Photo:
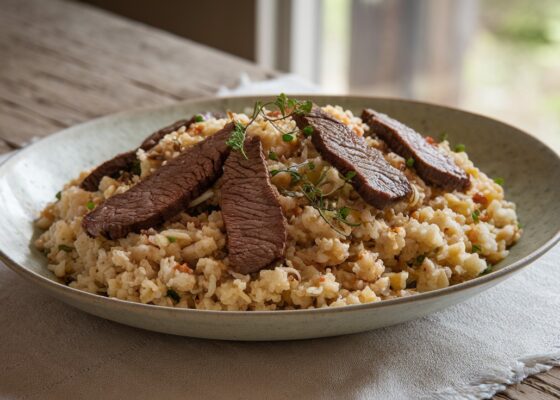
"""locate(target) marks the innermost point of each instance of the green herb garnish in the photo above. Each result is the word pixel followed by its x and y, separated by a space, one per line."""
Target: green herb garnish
pixel 475 214
pixel 499 181
pixel 272 155
pixel 237 139
pixel 519 226
pixel 410 162
pixel 174 295
pixel 460 148
pixel 476 248
pixel 287 137
pixel 172 239
pixel 286 106
pixel 349 176
pixel 443 137
pixel 314 194
pixel 420 259
pixel 341 214
pixel 307 131
pixel 58 195
pixel 198 118
pixel 90 205
pixel 65 248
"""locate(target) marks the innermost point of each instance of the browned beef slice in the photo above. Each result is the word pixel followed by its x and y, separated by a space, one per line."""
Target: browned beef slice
pixel 431 164
pixel 255 224
pixel 125 161
pixel 379 183
pixel 112 168
pixel 164 193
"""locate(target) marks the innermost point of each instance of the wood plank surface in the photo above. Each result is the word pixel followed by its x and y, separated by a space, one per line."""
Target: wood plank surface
pixel 62 63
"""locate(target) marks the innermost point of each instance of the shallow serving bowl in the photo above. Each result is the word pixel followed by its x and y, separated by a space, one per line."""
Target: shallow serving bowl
pixel 31 178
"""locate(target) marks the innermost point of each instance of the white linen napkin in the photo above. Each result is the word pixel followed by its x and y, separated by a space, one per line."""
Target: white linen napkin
pixel 49 350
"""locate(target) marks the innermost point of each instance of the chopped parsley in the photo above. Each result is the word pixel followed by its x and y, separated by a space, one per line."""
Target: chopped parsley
pixel 172 239
pixel 475 214
pixel 90 205
pixel 198 118
pixel 499 181
pixel 173 295
pixel 460 148
pixel 272 155
pixel 65 248
pixel 519 226
pixel 476 248
pixel 307 131
pixel 410 162
pixel 58 195
pixel 287 137
pixel 349 176
pixel 443 137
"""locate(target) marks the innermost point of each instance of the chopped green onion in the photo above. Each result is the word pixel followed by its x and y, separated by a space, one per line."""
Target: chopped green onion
pixel 287 137
pixel 499 181
pixel 311 165
pixel 90 205
pixel 272 155
pixel 198 118
pixel 174 295
pixel 475 215
pixel 476 248
pixel 65 248
pixel 274 172
pixel 460 148
pixel 58 195
pixel 172 239
pixel 308 131
pixel 410 162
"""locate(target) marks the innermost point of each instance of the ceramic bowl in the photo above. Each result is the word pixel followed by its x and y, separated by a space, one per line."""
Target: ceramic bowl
pixel 31 178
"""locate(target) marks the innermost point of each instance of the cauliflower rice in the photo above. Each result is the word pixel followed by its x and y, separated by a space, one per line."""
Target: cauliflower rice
pixel 431 241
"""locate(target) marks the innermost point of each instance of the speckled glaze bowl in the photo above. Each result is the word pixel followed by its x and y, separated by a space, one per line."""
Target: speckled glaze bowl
pixel 31 178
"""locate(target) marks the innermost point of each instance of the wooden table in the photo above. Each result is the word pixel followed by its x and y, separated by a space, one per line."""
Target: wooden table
pixel 63 63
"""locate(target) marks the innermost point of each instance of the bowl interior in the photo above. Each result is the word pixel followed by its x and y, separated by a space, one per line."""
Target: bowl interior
pixel 32 177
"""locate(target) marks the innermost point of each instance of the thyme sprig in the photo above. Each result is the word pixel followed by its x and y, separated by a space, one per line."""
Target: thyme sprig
pixel 280 109
pixel 302 186
pixel 287 107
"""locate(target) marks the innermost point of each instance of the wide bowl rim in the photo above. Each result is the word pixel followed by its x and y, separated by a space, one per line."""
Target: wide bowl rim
pixel 50 284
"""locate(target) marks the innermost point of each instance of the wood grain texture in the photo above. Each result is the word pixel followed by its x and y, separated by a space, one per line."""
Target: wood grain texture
pixel 545 386
pixel 63 63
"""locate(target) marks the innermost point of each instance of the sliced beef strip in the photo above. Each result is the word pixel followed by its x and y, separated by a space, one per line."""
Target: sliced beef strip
pixel 125 161
pixel 431 164
pixel 255 224
pixel 164 193
pixel 379 183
